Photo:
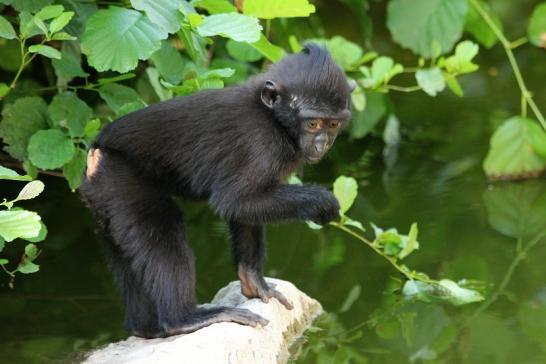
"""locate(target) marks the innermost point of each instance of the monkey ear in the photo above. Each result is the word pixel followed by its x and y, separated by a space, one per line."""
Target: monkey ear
pixel 352 85
pixel 269 93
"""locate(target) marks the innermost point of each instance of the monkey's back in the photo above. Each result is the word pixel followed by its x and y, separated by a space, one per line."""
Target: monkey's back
pixel 198 141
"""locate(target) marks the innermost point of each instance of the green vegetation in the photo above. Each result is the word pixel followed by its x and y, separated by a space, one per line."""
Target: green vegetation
pixel 69 67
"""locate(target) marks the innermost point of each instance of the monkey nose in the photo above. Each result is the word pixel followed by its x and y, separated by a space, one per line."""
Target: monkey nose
pixel 320 148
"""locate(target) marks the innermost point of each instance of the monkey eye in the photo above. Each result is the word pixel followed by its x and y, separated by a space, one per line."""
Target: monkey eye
pixel 313 124
pixel 333 124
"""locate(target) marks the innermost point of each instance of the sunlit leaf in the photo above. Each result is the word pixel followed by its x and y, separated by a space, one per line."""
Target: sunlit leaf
pixel 444 290
pixel 461 61
pixel 117 95
pixel 537 26
pixel 345 190
pixel 346 53
pixel 60 22
pixel 116 38
pixel 215 6
pixel 353 223
pixel 50 11
pixel 269 50
pixel 6 29
pixel 409 242
pixel 19 224
pixel 163 13
pixel 431 80
pixel 10 174
pixel 271 9
pixel 169 63
pixel 235 26
pixel 243 52
pixel 31 190
pixel 416 24
pixel 45 50
pixel 41 235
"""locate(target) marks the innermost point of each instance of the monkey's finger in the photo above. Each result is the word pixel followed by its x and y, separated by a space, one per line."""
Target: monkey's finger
pixel 280 297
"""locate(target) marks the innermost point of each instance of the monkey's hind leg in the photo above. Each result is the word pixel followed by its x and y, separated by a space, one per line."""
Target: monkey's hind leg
pixel 153 264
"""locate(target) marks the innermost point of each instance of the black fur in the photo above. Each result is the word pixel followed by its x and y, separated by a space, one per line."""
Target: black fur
pixel 234 147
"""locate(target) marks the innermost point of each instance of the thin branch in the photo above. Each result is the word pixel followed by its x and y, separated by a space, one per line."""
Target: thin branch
pixel 507 45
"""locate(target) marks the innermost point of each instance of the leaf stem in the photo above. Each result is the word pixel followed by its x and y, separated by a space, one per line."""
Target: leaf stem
pixel 404 89
pixel 508 46
pixel 378 251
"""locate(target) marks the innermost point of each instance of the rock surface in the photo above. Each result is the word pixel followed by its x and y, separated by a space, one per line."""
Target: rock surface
pixel 225 342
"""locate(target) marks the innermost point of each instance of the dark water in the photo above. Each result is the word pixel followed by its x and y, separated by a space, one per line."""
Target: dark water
pixel 468 229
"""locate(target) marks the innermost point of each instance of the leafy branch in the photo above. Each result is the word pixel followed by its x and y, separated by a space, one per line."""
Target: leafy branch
pixel 527 97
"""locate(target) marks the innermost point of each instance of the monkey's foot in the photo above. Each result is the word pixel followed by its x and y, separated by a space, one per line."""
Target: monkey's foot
pixel 253 285
pixel 203 317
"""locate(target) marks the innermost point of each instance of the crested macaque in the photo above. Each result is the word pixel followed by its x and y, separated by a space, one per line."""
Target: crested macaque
pixel 235 148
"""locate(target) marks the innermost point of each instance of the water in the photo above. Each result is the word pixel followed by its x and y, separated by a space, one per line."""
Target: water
pixel 469 228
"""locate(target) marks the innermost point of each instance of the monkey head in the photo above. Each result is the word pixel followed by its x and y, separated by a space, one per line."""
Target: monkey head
pixel 310 97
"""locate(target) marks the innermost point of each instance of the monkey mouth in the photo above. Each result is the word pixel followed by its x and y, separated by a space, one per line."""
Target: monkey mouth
pixel 312 159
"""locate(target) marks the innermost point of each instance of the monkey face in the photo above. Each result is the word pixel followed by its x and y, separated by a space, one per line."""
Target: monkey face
pixel 317 137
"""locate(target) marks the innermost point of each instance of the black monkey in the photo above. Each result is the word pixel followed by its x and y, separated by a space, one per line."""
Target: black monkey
pixel 234 147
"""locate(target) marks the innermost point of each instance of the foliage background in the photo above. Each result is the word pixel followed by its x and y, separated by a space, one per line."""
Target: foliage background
pixel 70 67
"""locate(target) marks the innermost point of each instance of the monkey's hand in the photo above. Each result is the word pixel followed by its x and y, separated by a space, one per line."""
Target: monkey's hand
pixel 326 208
pixel 253 285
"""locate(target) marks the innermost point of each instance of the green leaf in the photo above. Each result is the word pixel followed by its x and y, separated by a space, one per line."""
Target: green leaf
pixel 116 38
pixel 45 50
pixel 106 80
pixel 63 36
pixel 40 24
pixel 31 190
pixel 161 92
pixel 354 223
pixel 517 150
pixel 363 122
pixel 11 55
pixel 10 174
pixel 409 242
pixel 382 70
pixel 235 26
pixel 41 235
pixel 313 226
pixel 461 61
pixel 270 51
pixel 68 111
pixel 118 95
pixel 344 52
pixel 242 51
pixel 50 149
pixel 358 99
pixel 69 66
pixel 431 80
pixel 4 90
pixel 129 108
pixel 169 63
pixel 352 297
pixel 74 170
pixel 6 29
pixel 50 11
pixel 60 22
pixel 345 190
pixel 416 24
pixel 27 266
pixel 481 31
pixel 92 129
pixel 215 6
pixel 31 6
pixel 537 26
pixel 163 13
pixel 19 224
pixel 271 9
pixel 20 120
pixel 453 84
pixel 444 290
pixel 27 25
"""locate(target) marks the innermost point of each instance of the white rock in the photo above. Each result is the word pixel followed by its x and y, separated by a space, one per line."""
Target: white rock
pixel 225 342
